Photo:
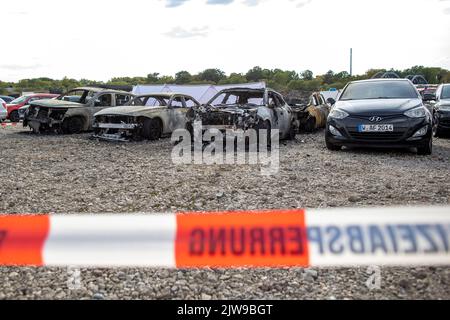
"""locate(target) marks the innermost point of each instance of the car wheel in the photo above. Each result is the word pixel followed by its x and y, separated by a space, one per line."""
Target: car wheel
pixel 292 132
pixel 427 149
pixel 14 116
pixel 265 125
pixel 331 146
pixel 72 125
pixel 152 129
pixel 437 133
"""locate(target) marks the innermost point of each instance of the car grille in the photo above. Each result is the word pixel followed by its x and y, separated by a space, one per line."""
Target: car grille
pixel 42 113
pixel 219 118
pixel 376 136
pixel 116 119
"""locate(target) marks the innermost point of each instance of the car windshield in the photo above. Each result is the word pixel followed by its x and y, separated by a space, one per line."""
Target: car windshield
pixel 150 101
pixel 379 90
pixel 80 96
pixel 241 98
pixel 445 92
pixel 20 100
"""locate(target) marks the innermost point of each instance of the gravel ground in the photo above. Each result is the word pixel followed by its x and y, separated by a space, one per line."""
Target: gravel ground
pixel 72 174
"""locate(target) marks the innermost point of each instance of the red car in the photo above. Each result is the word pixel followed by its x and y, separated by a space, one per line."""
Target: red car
pixel 15 105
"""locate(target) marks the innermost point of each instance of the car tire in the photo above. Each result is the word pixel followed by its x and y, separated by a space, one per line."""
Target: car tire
pixel 265 125
pixel 427 149
pixel 437 133
pixel 292 132
pixel 72 125
pixel 331 146
pixel 14 116
pixel 152 129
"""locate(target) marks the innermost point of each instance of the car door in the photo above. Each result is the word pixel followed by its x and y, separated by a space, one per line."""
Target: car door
pixel 100 102
pixel 122 99
pixel 282 112
pixel 177 113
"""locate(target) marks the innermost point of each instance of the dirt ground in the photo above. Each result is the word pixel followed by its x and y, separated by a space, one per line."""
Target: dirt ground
pixel 73 174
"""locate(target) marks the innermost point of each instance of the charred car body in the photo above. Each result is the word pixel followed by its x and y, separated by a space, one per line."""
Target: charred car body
pixel 244 109
pixel 74 114
pixel 145 117
pixel 310 116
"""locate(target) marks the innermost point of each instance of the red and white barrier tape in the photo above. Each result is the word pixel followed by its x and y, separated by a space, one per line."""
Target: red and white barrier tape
pixel 277 238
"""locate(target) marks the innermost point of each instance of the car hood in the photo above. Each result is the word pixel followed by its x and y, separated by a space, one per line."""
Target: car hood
pixel 377 106
pixel 129 110
pixel 53 103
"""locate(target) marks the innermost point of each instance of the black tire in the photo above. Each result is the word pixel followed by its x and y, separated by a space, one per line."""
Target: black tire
pixel 331 146
pixel 14 116
pixel 72 125
pixel 437 133
pixel 292 132
pixel 310 124
pixel 427 149
pixel 265 125
pixel 152 129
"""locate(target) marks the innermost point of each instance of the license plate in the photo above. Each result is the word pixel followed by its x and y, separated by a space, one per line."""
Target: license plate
pixel 376 128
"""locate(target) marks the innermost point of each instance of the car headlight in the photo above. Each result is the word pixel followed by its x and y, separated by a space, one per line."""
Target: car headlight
pixel 416 113
pixel 338 114
pixel 421 132
pixel 334 131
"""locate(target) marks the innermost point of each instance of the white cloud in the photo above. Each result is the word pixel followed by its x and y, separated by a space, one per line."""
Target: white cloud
pixel 92 39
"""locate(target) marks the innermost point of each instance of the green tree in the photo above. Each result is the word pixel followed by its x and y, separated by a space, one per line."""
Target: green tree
pixel 213 75
pixel 307 75
pixel 183 77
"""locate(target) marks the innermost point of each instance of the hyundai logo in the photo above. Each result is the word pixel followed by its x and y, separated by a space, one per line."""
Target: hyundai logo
pixel 375 119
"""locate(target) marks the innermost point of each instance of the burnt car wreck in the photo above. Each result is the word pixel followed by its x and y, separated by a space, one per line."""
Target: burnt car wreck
pixel 312 115
pixel 72 112
pixel 243 109
pixel 145 117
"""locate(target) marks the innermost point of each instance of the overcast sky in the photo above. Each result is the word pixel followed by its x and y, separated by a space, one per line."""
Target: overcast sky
pixel 97 39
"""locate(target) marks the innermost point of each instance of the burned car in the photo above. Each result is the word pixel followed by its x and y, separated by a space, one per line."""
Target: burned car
pixel 311 116
pixel 244 108
pixel 145 117
pixel 74 111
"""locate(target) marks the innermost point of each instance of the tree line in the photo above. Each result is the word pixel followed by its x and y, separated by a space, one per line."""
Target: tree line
pixel 281 80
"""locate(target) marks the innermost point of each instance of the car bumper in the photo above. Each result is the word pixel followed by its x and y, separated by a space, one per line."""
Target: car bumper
pixel 401 137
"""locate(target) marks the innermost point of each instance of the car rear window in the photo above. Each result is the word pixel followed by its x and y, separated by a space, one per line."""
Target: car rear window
pixel 379 90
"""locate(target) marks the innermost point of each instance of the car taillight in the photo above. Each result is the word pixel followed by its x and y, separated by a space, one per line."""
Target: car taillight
pixel 4 105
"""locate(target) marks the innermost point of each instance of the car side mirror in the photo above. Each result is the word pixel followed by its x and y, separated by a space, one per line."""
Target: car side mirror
pixel 331 101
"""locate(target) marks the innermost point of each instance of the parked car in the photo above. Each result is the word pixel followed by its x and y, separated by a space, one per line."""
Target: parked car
pixel 3 111
pixel 16 104
pixel 380 113
pixel 313 115
pixel 244 108
pixel 442 107
pixel 145 117
pixel 61 115
pixel 7 99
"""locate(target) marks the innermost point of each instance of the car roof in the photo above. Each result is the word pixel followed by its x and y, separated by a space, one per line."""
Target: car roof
pixel 164 94
pixel 381 79
pixel 41 94
pixel 97 89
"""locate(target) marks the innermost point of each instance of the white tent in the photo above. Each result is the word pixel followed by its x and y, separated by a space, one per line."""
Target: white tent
pixel 202 93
